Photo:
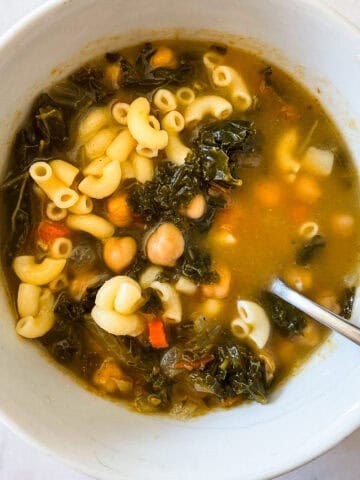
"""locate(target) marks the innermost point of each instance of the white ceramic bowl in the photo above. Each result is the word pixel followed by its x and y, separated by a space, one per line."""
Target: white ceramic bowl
pixel 319 406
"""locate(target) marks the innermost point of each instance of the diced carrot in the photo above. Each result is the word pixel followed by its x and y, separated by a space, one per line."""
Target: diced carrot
pixel 157 335
pixel 48 232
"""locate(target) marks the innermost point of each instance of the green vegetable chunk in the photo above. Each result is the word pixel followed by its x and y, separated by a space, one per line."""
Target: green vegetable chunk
pixel 286 318
pixel 308 250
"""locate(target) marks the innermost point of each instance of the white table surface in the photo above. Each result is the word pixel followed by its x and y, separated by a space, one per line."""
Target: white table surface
pixel 22 461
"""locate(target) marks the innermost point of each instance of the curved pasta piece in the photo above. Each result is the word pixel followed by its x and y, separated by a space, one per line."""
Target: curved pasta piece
pixel 149 276
pixel 61 247
pixel 213 105
pixel 252 323
pixel 98 144
pixel 55 189
pixel 39 325
pixel 284 153
pixel 185 95
pixel 170 300
pixel 82 206
pixel 165 100
pixel 117 324
pixel 55 213
pixel 92 224
pixel 175 150
pixel 140 127
pixel 96 119
pixel 121 294
pixel 28 299
pixel 64 171
pixel 119 111
pixel 186 286
pixel 42 273
pixel 212 59
pixel 121 147
pixel 143 167
pixel 104 185
pixel 224 76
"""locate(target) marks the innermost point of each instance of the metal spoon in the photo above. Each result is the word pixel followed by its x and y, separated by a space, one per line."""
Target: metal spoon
pixel 315 311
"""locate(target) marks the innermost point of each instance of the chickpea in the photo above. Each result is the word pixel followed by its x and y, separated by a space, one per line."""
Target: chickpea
pixel 196 208
pixel 165 245
pixel 220 289
pixel 342 224
pixel 119 212
pixel 163 57
pixel 307 189
pixel 119 253
pixel 106 376
pixel 299 278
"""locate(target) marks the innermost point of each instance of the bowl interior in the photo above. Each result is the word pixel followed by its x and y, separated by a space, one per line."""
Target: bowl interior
pixel 317 407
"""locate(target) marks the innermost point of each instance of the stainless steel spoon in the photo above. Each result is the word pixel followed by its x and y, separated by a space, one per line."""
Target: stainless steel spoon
pixel 315 311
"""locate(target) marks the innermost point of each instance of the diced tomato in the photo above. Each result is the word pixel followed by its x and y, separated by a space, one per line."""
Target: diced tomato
pixel 157 334
pixel 48 232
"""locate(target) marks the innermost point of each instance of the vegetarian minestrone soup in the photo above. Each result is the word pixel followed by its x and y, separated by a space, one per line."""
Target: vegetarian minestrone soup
pixel 151 197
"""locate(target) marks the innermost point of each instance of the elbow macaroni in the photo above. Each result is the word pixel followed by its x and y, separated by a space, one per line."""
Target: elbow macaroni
pixel 102 186
pixel 224 76
pixel 212 59
pixel 82 206
pixel 115 306
pixel 284 154
pixel 170 300
pixel 92 123
pixel 140 127
pixel 185 96
pixel 308 230
pixel 143 168
pixel 61 247
pixel 42 273
pixel 252 323
pixel 175 150
pixel 57 191
pixel 28 299
pixel 37 325
pixel 64 171
pixel 119 111
pixel 98 144
pixel 213 105
pixel 121 147
pixel 55 213
pixel 96 226
pixel 165 100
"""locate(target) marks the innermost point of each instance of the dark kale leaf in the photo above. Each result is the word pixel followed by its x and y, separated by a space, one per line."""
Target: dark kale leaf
pixel 196 264
pixel 18 204
pixel 347 302
pixel 153 303
pixel 215 146
pixel 73 311
pixel 64 340
pixel 309 249
pixel 286 318
pixel 143 78
pixel 235 371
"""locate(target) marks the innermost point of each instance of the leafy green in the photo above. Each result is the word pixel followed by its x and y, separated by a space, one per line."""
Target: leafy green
pixel 347 302
pixel 153 302
pixel 142 77
pixel 215 144
pixel 309 249
pixel 286 318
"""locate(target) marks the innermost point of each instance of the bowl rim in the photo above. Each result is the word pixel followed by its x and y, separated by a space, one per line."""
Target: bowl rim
pixel 337 431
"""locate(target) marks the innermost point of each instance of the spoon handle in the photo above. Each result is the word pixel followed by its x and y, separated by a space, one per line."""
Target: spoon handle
pixel 315 311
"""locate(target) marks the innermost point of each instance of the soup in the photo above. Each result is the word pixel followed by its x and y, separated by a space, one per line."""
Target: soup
pixel 151 196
